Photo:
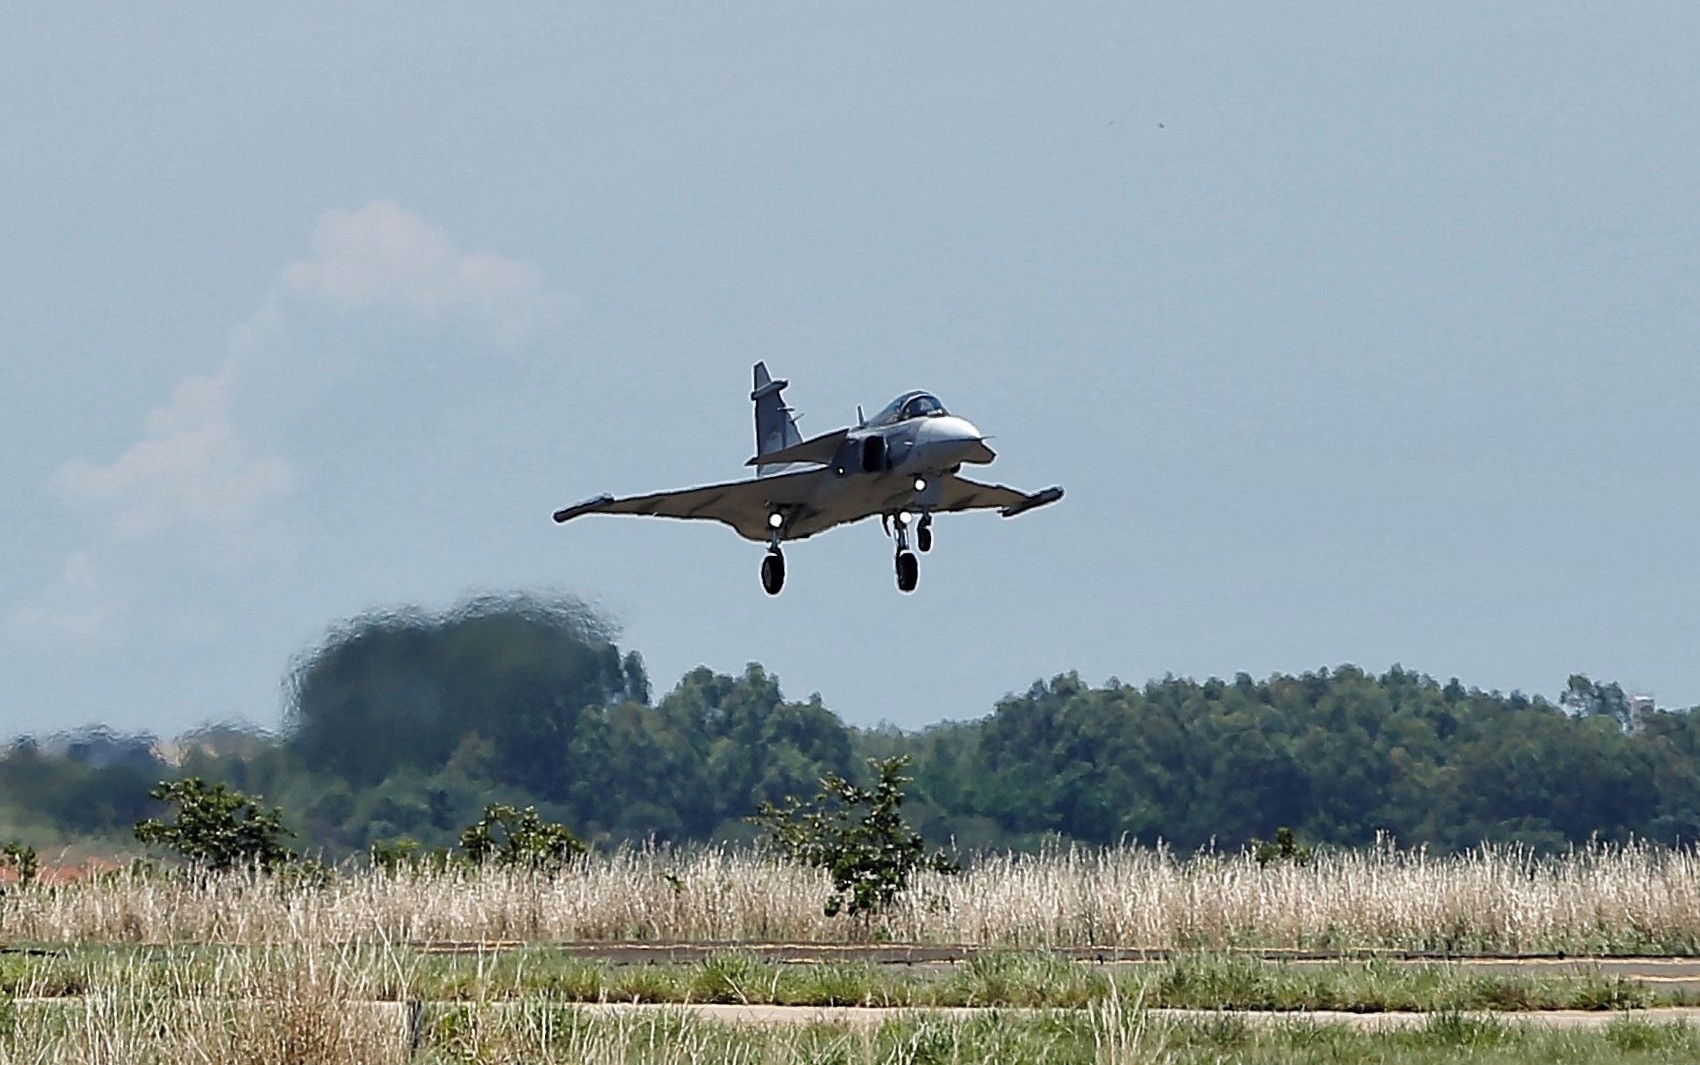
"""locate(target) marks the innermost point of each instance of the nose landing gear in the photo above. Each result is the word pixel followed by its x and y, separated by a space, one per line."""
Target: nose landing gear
pixel 924 534
pixel 908 567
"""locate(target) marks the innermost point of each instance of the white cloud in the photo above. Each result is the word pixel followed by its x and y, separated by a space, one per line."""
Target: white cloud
pixel 383 253
pixel 190 470
pixel 194 499
pixel 187 497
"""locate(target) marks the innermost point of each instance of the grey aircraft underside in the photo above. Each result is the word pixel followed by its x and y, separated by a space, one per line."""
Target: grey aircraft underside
pixel 901 465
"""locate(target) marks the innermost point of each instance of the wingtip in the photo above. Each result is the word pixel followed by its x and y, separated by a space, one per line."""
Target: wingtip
pixel 1034 501
pixel 584 507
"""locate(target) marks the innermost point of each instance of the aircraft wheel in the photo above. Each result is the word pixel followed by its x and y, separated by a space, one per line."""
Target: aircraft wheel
pixel 773 572
pixel 924 536
pixel 908 571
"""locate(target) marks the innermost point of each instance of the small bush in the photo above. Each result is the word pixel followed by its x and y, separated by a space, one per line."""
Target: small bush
pixel 22 859
pixel 514 838
pixel 1285 849
pixel 405 855
pixel 858 836
pixel 215 828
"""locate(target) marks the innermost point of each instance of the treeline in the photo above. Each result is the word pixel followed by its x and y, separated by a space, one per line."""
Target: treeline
pixel 409 725
pixel 1337 755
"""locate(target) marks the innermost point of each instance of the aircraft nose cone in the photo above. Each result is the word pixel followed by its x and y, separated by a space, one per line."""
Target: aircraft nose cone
pixel 949 440
pixel 949 429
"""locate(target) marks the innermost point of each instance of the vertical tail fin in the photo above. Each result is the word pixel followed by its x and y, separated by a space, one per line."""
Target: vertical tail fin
pixel 775 428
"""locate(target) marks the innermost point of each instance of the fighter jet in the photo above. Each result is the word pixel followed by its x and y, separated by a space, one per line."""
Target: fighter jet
pixel 902 465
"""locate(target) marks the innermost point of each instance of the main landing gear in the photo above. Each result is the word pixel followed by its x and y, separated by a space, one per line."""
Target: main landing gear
pixel 896 525
pixel 908 571
pixel 773 571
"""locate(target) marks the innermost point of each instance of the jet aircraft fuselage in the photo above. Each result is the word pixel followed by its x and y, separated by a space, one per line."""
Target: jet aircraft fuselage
pixel 902 465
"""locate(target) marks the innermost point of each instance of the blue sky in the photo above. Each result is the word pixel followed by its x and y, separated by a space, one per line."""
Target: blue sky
pixel 1355 333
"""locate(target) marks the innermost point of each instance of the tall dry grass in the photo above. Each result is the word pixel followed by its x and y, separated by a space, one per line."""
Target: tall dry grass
pixel 313 1006
pixel 255 1008
pixel 1634 899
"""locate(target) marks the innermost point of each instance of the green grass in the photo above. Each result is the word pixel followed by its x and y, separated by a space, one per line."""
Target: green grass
pixel 1237 982
pixel 137 1024
pixel 1008 979
pixel 1446 1038
pixel 1037 980
pixel 1057 1039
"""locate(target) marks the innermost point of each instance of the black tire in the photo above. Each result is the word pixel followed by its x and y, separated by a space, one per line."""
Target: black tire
pixel 773 573
pixel 924 537
pixel 908 571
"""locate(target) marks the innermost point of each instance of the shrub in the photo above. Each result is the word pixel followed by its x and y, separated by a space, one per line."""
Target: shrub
pixel 1285 849
pixel 858 836
pixel 405 854
pixel 520 838
pixel 21 858
pixel 215 828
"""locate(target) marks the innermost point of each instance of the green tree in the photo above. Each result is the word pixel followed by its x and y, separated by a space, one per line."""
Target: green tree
pixel 216 828
pixel 514 838
pixel 404 689
pixel 858 835
pixel 748 745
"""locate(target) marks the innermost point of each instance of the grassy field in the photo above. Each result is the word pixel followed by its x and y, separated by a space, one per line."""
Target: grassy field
pixel 1024 980
pixel 1094 1036
pixel 138 966
pixel 1632 900
pixel 317 1027
pixel 356 1004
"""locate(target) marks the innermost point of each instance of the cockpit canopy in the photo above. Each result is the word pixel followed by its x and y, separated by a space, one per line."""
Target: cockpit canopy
pixel 909 405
